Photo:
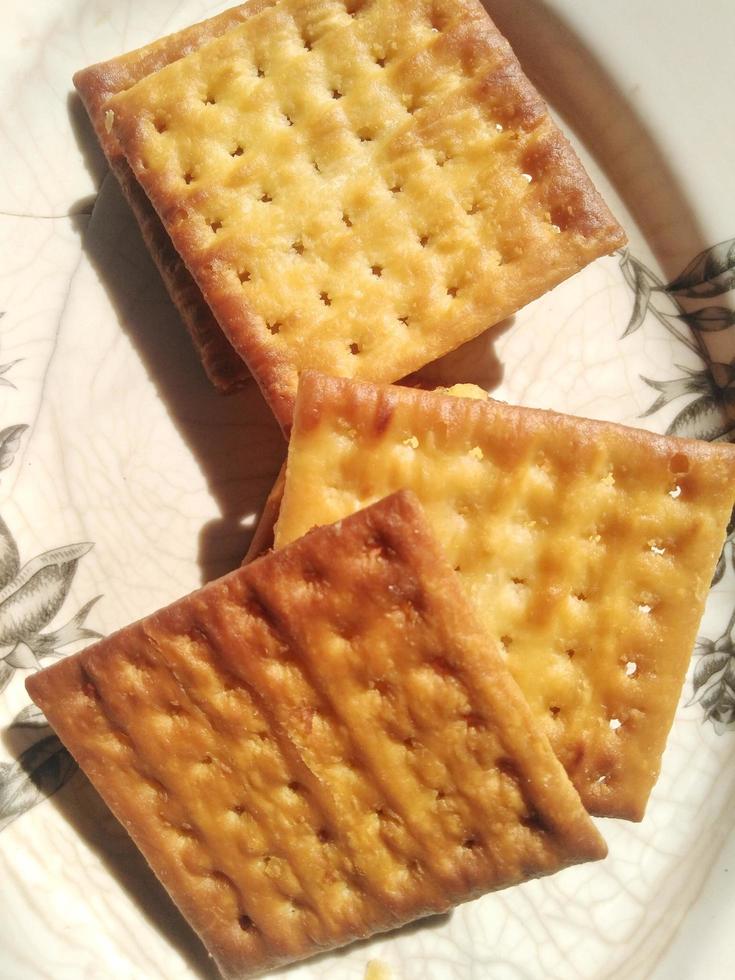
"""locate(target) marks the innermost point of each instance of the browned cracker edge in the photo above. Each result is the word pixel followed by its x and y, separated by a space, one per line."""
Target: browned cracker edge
pixel 95 84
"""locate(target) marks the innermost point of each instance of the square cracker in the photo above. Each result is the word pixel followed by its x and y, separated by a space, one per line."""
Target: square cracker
pixel 319 746
pixel 588 549
pixel 224 367
pixel 360 187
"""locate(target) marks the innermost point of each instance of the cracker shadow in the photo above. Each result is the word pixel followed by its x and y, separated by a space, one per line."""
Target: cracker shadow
pixel 235 439
pixel 475 362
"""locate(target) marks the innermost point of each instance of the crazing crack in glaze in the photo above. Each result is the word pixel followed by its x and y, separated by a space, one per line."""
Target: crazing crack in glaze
pixel 57 329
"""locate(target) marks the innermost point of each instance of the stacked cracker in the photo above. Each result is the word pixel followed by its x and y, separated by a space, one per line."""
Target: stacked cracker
pixel 365 727
pixel 354 187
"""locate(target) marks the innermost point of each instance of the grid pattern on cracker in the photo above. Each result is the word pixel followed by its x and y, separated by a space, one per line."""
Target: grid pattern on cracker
pixel 360 187
pixel 587 547
pixel 95 84
pixel 263 535
pixel 297 773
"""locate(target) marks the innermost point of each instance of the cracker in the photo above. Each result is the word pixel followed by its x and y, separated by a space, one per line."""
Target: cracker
pixel 263 535
pixel 263 538
pixel 588 549
pixel 319 746
pixel 359 187
pixel 224 367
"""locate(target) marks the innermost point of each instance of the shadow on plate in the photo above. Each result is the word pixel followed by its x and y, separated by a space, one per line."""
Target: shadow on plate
pixel 235 440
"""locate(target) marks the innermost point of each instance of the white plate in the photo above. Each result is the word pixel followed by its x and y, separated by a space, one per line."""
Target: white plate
pixel 110 434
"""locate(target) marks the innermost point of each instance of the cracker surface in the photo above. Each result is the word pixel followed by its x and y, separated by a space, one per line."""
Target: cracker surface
pixel 359 187
pixel 319 746
pixel 588 549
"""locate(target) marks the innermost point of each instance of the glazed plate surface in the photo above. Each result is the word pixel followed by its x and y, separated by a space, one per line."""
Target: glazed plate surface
pixel 125 482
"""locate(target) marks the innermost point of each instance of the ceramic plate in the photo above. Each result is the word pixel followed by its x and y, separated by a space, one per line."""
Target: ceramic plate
pixel 126 482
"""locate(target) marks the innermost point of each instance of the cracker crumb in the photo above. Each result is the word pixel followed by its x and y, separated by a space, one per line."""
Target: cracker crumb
pixel 466 390
pixel 476 453
pixel 109 120
pixel 377 970
pixel 412 441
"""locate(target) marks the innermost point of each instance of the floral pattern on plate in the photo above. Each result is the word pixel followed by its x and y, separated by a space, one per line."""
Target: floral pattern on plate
pixel 710 414
pixel 31 595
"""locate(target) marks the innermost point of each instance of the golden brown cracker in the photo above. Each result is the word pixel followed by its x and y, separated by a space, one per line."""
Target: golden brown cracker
pixel 320 745
pixel 359 187
pixel 587 547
